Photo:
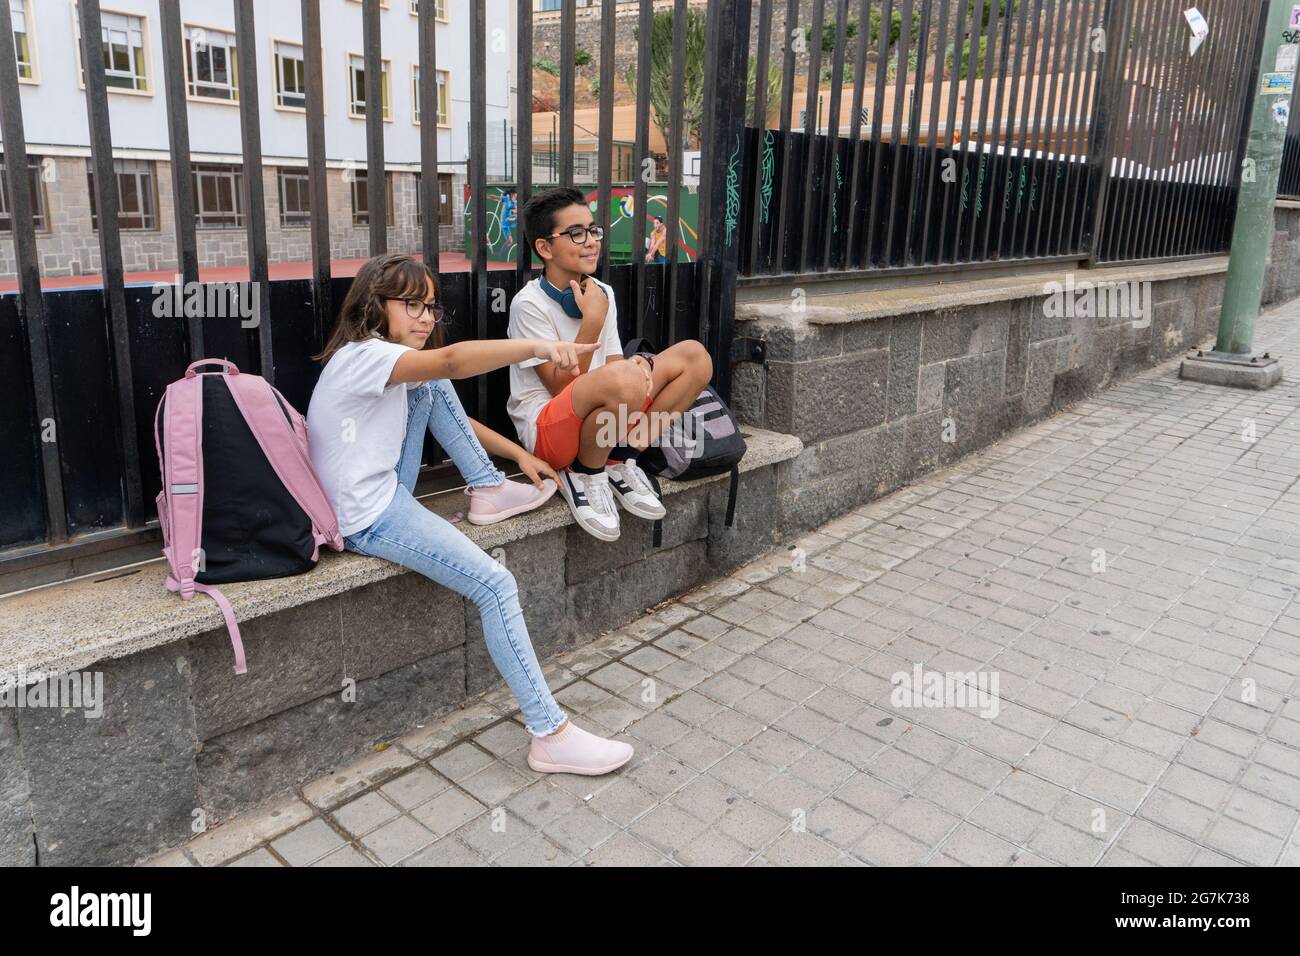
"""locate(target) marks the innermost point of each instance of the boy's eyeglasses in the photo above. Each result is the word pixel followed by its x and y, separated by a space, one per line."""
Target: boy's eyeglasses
pixel 579 234
pixel 415 309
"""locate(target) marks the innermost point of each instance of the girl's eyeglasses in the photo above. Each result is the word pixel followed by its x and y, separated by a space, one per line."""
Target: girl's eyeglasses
pixel 415 309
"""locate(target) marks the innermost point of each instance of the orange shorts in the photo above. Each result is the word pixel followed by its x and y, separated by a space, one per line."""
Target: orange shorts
pixel 559 429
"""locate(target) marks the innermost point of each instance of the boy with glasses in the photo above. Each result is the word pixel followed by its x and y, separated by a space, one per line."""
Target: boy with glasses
pixel 589 423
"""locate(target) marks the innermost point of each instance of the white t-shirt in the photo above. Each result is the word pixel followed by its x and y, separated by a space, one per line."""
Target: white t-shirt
pixel 535 315
pixel 356 423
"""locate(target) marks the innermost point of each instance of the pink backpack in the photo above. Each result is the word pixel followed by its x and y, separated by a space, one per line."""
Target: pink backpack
pixel 239 499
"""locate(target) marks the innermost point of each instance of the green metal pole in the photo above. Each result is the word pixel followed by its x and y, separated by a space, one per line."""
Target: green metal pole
pixel 1253 232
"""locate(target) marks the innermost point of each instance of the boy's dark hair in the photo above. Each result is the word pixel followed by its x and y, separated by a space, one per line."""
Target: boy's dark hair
pixel 540 210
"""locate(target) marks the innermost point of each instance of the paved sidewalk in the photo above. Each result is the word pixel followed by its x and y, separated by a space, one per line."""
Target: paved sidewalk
pixel 1146 712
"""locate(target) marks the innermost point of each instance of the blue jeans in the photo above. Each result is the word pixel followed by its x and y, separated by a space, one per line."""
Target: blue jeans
pixel 411 535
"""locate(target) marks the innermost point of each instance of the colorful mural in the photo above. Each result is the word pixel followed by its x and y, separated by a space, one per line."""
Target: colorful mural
pixel 505 228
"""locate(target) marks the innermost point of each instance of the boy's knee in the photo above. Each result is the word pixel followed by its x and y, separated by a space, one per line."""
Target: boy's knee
pixel 697 356
pixel 626 384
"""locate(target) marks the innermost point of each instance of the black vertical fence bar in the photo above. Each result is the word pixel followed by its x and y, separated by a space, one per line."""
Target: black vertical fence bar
pixel 932 170
pixel 1064 125
pixel 478 180
pixel 31 305
pixel 1039 115
pixel 896 127
pixel 986 136
pixel 1251 53
pixel 915 110
pixel 950 137
pixel 783 212
pixel 1081 219
pixel 178 139
pixel 999 161
pixel 250 126
pixel 726 69
pixel 675 149
pixel 1103 124
pixel 855 136
pixel 1153 130
pixel 831 173
pixel 810 133
pixel 1172 153
pixel 524 125
pixel 1199 105
pixel 376 179
pixel 644 168
pixel 110 250
pixel 1017 120
pixel 965 198
pixel 1135 121
pixel 430 198
pixel 608 37
pixel 758 208
pixel 1215 170
pixel 1051 166
pixel 1221 170
pixel 317 178
pixel 568 56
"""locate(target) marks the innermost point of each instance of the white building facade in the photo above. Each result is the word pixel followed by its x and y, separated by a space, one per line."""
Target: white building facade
pixel 57 132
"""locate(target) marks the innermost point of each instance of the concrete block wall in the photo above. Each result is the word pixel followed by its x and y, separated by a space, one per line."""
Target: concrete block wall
pixel 879 402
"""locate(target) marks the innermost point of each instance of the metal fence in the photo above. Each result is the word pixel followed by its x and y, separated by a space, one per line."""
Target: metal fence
pixel 81 372
pixel 931 134
pixel 963 133
pixel 1289 182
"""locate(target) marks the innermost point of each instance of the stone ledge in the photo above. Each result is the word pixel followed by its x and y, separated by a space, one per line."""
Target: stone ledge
pixel 850 307
pixel 71 626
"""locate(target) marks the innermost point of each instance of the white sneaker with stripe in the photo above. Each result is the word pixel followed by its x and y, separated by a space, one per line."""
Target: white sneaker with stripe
pixel 591 502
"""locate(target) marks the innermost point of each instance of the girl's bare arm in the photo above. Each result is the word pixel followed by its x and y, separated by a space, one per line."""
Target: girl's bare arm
pixel 467 359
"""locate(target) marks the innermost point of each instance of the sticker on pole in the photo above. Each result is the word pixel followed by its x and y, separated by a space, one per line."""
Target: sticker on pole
pixel 1282 111
pixel 1277 84
pixel 1200 30
pixel 1295 17
pixel 1288 58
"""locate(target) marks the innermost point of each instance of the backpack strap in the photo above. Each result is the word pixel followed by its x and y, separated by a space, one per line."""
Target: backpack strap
pixel 283 442
pixel 734 485
pixel 638 345
pixel 657 535
pixel 182 480
pixel 227 613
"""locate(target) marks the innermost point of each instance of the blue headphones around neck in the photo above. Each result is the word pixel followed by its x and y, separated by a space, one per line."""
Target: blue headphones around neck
pixel 568 302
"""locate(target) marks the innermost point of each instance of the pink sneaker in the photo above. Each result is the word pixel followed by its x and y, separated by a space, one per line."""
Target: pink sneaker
pixel 510 498
pixel 573 750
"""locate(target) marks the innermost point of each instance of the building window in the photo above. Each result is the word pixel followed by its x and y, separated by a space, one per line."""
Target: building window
pixel 357 87
pixel 290 76
pixel 23 45
pixel 126 52
pixel 218 200
pixel 295 197
pixel 210 67
pixel 444 102
pixel 37 188
pixel 361 198
pixel 137 194
pixel 439 9
pixel 444 200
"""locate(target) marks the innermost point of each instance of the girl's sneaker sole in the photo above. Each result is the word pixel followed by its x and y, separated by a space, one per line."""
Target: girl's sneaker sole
pixel 582 771
pixel 509 512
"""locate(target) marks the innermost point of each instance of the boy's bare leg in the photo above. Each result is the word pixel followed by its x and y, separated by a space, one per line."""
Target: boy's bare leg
pixel 618 390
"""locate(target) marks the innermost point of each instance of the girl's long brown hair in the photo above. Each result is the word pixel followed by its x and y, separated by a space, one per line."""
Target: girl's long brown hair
pixel 364 314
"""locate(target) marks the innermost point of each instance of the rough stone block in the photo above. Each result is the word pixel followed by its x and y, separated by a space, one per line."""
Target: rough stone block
pixel 109 789
pixel 293 656
pixel 753 530
pixel 905 360
pixel 250 763
pixel 398 621
pixel 17 845
pixel 816 400
pixel 617 596
pixel 687 520
pixel 947 334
